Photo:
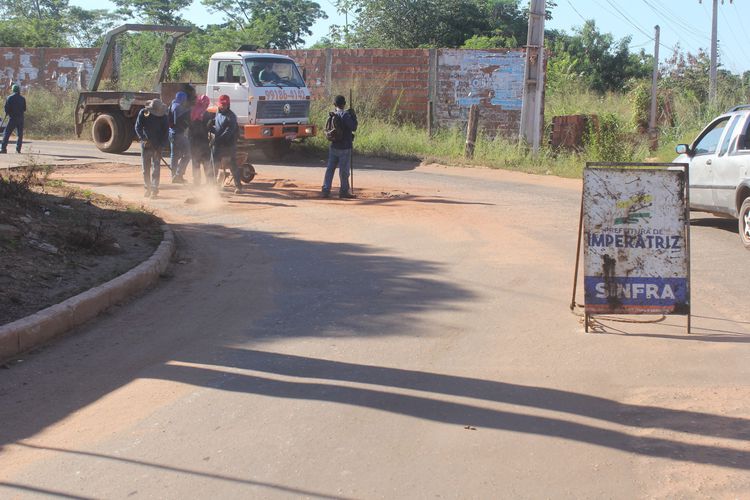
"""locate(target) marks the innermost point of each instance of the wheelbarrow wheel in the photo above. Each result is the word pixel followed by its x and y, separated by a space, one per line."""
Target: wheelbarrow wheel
pixel 247 173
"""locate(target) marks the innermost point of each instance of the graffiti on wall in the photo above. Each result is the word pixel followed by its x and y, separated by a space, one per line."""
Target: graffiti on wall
pixel 480 77
pixel 53 69
pixel 491 79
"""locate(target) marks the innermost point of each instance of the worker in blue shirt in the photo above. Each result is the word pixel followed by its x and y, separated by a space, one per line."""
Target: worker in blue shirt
pixel 15 107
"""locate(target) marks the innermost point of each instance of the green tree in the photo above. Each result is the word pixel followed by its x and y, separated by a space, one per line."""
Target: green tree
pixel 280 24
pixel 418 23
pixel 153 11
pixel 50 23
pixel 603 63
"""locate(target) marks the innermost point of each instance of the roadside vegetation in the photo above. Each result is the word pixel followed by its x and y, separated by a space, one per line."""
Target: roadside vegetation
pixel 588 73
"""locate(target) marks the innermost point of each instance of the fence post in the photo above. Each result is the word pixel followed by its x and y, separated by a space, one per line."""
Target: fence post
pixel 430 130
pixel 471 131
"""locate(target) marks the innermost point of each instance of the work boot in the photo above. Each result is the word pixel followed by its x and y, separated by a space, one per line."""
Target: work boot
pixel 346 196
pixel 238 190
pixel 147 193
pixel 4 151
pixel 154 194
pixel 325 194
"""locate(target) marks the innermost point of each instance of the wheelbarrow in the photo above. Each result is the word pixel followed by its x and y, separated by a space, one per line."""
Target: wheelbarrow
pixel 224 173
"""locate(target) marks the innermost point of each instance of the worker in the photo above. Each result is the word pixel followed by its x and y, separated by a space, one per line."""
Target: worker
pixel 198 135
pixel 152 130
pixel 179 122
pixel 15 107
pixel 224 143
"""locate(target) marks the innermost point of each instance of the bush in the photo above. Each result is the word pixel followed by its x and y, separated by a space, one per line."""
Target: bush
pixel 50 115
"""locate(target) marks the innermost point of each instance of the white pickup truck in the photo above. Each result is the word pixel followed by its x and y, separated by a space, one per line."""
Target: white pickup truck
pixel 719 168
pixel 268 95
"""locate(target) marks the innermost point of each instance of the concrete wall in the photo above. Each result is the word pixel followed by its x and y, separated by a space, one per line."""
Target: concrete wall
pixel 50 68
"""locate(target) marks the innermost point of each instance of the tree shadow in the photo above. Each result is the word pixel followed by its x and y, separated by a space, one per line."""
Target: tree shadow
pixel 250 286
pixel 463 414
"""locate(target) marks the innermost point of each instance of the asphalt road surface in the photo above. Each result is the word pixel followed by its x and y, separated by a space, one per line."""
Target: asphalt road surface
pixel 414 343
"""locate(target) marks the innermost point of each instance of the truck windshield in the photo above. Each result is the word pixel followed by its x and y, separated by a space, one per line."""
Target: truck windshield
pixel 267 72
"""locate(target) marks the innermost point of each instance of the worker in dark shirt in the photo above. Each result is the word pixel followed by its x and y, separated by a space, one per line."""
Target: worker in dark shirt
pixel 152 129
pixel 340 151
pixel 224 144
pixel 15 107
pixel 179 123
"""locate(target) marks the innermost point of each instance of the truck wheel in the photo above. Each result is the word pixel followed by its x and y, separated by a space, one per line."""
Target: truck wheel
pixel 128 133
pixel 109 133
pixel 248 173
pixel 744 223
pixel 277 149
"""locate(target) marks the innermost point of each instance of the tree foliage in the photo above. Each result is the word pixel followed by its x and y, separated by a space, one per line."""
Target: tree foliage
pixel 281 24
pixel 153 11
pixel 596 58
pixel 50 23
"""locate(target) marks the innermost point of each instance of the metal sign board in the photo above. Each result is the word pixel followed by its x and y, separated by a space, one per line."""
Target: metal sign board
pixel 635 240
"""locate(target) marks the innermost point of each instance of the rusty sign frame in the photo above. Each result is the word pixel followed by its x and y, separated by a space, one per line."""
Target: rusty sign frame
pixel 685 306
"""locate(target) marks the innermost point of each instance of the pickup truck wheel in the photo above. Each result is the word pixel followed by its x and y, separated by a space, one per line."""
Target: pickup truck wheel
pixel 744 223
pixel 109 133
pixel 277 149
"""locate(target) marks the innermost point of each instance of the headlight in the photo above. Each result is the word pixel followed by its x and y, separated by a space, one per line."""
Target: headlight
pixel 268 132
pixel 308 130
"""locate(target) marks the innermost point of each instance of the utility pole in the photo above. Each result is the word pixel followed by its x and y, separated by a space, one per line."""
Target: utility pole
pixel 652 132
pixel 531 107
pixel 714 54
pixel 714 51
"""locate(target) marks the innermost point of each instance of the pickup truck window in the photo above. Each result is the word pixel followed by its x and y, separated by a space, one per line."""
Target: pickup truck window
pixel 743 141
pixel 709 142
pixel 728 136
pixel 230 72
pixel 268 72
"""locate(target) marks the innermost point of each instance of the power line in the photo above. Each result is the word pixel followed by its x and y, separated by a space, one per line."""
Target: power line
pixel 626 18
pixel 576 11
pixel 678 27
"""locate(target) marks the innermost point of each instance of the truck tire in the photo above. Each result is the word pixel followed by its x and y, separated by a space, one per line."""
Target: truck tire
pixel 110 133
pixel 277 150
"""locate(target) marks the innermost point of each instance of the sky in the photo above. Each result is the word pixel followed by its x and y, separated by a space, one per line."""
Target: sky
pixel 683 22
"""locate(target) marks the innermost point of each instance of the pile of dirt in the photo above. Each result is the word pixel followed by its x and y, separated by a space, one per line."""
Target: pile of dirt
pixel 57 241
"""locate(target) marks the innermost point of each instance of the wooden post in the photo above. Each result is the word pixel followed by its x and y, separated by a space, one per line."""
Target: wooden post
pixel 471 131
pixel 430 130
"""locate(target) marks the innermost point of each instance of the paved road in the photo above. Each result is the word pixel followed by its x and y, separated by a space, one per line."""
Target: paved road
pixel 413 343
pixel 64 153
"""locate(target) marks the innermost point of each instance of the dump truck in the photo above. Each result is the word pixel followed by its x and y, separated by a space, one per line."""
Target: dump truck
pixel 113 112
pixel 267 92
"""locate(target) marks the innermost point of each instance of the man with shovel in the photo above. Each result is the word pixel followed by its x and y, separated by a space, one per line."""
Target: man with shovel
pixel 152 129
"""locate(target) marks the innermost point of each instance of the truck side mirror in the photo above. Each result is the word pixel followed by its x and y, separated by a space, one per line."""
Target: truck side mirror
pixel 682 149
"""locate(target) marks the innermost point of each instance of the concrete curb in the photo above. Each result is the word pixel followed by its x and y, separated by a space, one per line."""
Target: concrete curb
pixel 32 331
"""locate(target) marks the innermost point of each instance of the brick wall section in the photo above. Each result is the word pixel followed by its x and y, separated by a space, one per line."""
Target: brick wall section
pixel 401 79
pixel 493 79
pixel 51 68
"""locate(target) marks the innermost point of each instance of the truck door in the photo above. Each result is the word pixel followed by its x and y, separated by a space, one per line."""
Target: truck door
pixel 727 167
pixel 705 151
pixel 230 79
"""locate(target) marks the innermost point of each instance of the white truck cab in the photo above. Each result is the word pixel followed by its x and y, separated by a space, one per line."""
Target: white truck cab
pixel 268 95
